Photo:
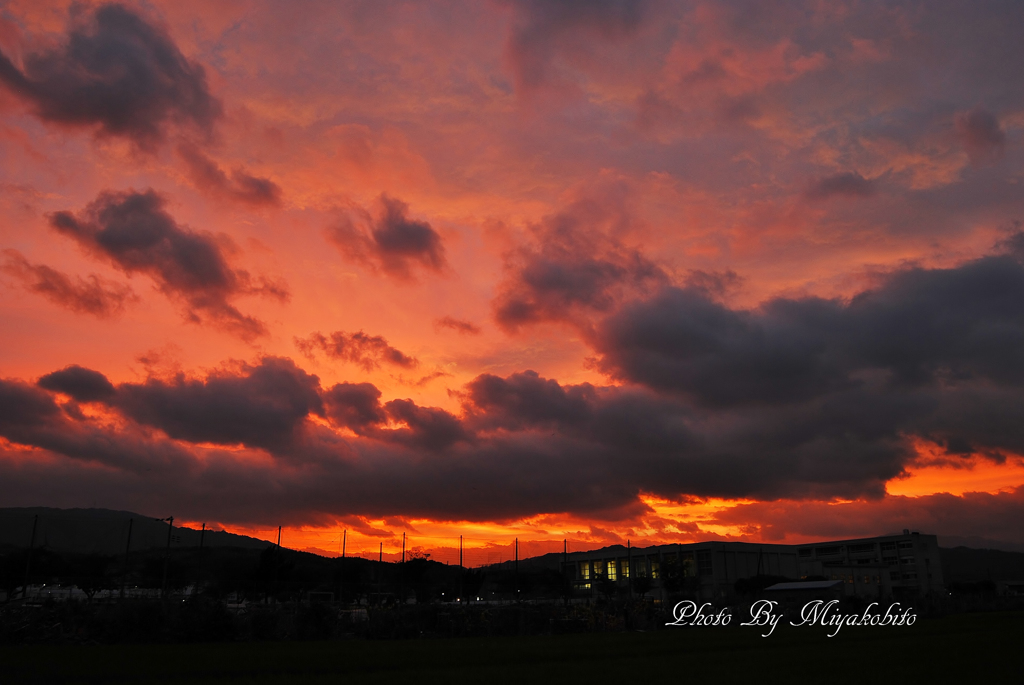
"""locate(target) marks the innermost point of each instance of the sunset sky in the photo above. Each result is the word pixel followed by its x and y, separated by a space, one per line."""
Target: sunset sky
pixel 593 270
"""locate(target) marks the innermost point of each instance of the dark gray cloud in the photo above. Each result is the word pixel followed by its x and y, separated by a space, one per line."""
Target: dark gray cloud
pixel 355 406
pixel 260 405
pixel 525 400
pixel 91 295
pixel 846 184
pixel 542 26
pixel 368 351
pixel 597 455
pixel 801 398
pixel 981 135
pixel 427 428
pixel 22 406
pixel 390 241
pixel 118 72
pixel 80 383
pixel 240 186
pixel 133 231
pixel 29 415
pixel 569 272
pixel 919 327
pixel 683 341
pixel 458 325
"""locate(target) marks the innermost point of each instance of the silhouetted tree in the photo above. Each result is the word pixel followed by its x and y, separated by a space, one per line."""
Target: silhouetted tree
pixel 605 586
pixel 92 573
pixel 641 585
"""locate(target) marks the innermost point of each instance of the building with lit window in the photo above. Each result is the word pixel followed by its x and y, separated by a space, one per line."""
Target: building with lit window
pixel 886 566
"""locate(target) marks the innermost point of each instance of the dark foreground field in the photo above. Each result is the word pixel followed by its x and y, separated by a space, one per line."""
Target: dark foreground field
pixel 964 648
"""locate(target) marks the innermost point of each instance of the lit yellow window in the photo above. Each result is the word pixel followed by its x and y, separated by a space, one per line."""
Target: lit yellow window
pixel 655 569
pixel 585 570
pixel 612 570
pixel 625 568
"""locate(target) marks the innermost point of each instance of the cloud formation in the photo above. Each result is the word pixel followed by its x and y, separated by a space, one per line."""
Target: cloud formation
pixel 981 135
pixel 91 295
pixel 919 328
pixel 458 325
pixel 368 351
pixel 259 405
pixel 543 29
pixel 119 73
pixel 137 235
pixel 29 415
pixel 80 383
pixel 240 186
pixel 800 398
pixel 390 240
pixel 569 271
pixel 845 184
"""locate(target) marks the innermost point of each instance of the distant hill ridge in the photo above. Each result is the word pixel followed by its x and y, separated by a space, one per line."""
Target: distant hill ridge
pixel 104 531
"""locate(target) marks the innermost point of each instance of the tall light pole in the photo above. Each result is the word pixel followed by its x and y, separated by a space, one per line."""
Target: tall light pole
pixel 167 554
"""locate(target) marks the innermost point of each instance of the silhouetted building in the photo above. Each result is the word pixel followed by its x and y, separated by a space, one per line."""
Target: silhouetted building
pixel 884 566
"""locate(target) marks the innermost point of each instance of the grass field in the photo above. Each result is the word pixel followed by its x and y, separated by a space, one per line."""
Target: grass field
pixel 970 648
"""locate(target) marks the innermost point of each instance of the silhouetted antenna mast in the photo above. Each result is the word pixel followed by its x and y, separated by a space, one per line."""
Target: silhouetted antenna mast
pixel 401 575
pixel 517 569
pixel 127 549
pixel 341 585
pixel 199 570
pixel 167 554
pixel 629 568
pixel 28 559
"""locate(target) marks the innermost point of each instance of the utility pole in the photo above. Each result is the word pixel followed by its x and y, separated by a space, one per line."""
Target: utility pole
pixel 341 585
pixel 401 575
pixel 277 559
pixel 199 571
pixel 629 567
pixel 567 577
pixel 127 549
pixel 380 570
pixel 28 558
pixel 462 569
pixel 517 569
pixel 167 554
